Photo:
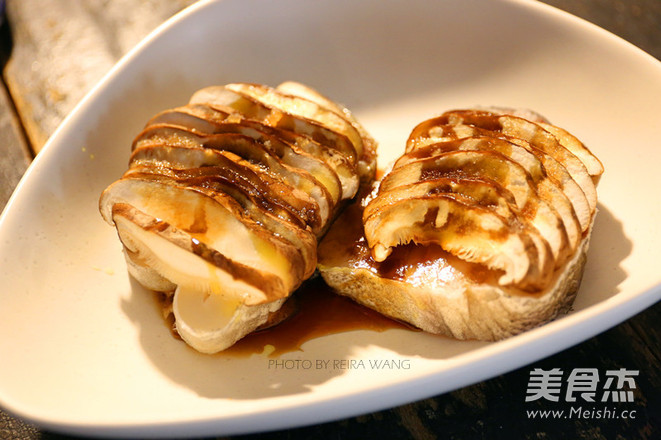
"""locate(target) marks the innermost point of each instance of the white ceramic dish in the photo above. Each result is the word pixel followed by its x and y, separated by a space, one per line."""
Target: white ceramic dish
pixel 83 349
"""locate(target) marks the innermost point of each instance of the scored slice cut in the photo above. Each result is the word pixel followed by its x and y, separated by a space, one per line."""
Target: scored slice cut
pixel 431 131
pixel 484 192
pixel 535 134
pixel 301 107
pixel 367 162
pixel 288 153
pixel 471 232
pixel 196 117
pixel 302 238
pixel 593 165
pixel 553 216
pixel 315 182
pixel 205 221
pixel 237 179
pixel 215 96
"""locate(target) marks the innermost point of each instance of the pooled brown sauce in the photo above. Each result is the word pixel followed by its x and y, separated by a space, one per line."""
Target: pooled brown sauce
pixel 410 258
pixel 345 245
pixel 321 313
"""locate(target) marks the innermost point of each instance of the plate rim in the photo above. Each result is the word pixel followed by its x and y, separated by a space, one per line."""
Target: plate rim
pixel 608 312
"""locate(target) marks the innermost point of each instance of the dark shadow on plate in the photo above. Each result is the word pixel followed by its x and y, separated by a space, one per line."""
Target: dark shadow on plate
pixel 259 376
pixel 609 246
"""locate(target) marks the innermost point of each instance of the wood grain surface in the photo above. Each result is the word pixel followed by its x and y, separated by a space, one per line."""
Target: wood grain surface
pixel 63 47
pixel 54 51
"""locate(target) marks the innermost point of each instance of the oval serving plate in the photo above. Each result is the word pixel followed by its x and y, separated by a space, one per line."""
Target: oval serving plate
pixel 84 349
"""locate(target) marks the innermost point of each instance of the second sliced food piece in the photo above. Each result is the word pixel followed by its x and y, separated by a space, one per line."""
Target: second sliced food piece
pixel 474 232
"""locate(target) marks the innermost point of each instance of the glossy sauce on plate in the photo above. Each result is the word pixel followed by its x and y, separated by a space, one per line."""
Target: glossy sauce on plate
pixel 320 313
pixel 314 311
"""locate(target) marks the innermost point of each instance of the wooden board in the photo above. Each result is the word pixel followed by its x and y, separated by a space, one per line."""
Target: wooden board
pixel 63 47
pixel 15 155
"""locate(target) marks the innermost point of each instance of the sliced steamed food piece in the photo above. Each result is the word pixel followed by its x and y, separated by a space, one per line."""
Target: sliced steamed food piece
pixel 367 162
pixel 481 164
pixel 206 324
pixel 593 165
pixel 241 182
pixel 171 156
pixel 537 136
pixel 294 88
pixel 471 232
pixel 255 152
pixel 301 107
pixel 346 172
pixel 554 202
pixel 288 153
pixel 437 130
pixel 225 199
pixel 499 169
pixel 207 298
pixel 204 119
pixel 205 220
pixel 222 263
pixel 197 117
pixel 446 244
pixel 481 191
pixel 250 108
